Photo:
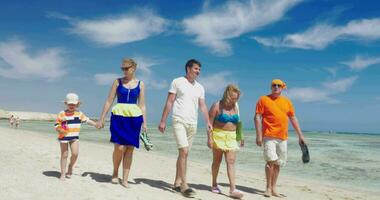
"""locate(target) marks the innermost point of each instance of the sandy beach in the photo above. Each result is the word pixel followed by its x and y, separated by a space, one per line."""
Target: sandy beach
pixel 29 169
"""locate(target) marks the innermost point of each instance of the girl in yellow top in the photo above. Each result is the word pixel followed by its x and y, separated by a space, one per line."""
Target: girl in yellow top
pixel 222 139
pixel 68 125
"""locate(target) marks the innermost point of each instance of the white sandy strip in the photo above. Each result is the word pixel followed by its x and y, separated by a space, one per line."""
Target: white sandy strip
pixel 29 169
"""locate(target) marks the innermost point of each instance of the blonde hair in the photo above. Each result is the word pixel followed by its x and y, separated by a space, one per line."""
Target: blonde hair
pixel 129 62
pixel 231 88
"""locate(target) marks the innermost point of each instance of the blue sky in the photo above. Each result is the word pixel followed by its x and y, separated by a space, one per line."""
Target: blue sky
pixel 328 53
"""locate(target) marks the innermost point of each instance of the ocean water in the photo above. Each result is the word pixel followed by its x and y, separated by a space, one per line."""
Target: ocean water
pixel 345 160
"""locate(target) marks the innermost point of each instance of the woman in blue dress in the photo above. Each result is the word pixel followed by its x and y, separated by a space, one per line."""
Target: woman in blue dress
pixel 127 118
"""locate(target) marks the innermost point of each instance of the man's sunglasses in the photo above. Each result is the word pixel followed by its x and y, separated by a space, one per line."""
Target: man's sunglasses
pixel 276 85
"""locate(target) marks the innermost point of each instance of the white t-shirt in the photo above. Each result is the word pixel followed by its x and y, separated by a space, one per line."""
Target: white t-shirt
pixel 186 103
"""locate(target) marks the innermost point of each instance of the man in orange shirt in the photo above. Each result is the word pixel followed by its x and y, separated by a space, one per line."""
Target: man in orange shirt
pixel 271 122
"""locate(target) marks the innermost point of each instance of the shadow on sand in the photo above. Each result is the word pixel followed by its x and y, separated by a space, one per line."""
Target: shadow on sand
pixel 55 174
pixel 244 189
pixel 98 177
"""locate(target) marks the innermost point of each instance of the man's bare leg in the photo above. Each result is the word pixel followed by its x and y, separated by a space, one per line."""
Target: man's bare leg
pixel 276 172
pixel 268 175
pixel 181 168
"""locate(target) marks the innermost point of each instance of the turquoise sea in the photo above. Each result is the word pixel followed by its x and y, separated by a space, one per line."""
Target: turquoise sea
pixel 349 160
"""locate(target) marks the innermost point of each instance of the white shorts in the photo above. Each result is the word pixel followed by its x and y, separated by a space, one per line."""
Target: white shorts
pixel 183 133
pixel 275 150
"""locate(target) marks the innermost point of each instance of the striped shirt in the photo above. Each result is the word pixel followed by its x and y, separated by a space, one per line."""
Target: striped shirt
pixel 71 123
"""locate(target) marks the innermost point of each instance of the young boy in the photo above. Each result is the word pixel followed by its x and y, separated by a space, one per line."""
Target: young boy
pixel 68 125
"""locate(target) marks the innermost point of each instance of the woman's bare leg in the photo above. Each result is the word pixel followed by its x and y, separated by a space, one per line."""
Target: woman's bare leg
pixel 230 161
pixel 217 159
pixel 117 156
pixel 127 162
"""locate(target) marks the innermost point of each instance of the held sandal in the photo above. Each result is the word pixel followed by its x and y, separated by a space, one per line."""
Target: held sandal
pixel 146 140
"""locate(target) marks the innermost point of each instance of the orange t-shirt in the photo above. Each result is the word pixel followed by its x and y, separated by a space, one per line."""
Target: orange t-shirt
pixel 275 113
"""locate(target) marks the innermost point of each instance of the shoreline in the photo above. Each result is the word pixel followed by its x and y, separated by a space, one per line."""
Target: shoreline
pixel 94 167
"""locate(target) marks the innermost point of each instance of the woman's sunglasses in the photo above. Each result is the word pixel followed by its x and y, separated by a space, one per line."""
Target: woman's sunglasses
pixel 125 68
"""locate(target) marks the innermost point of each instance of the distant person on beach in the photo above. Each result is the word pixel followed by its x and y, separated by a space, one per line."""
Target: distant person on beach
pixel 185 96
pixel 271 122
pixel 224 115
pixel 68 126
pixel 128 117
pixel 11 121
pixel 17 121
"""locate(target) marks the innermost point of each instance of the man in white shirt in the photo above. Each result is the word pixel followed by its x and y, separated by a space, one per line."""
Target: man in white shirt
pixel 185 95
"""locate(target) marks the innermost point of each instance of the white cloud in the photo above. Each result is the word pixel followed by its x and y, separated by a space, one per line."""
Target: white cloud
pixel 106 78
pixel 144 73
pixel 117 30
pixel 361 62
pixel 17 63
pixel 216 83
pixel 212 28
pixel 308 94
pixel 324 93
pixel 322 35
pixel 340 85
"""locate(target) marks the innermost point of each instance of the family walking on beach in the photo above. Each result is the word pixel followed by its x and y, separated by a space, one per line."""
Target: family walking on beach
pixel 185 97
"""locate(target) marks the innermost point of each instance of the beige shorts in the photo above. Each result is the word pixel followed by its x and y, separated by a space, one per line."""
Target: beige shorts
pixel 275 150
pixel 183 133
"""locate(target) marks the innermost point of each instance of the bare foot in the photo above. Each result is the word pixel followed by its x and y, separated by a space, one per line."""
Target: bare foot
pixel 62 178
pixel 274 193
pixel 125 184
pixel 115 180
pixel 267 193
pixel 236 194
pixel 69 172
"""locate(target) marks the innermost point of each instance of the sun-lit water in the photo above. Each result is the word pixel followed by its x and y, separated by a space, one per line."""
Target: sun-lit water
pixel 348 160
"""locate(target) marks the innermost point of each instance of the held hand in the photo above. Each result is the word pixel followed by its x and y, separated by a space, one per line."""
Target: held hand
pixel 162 127
pixel 242 143
pixel 259 141
pixel 209 127
pixel 100 124
pixel 144 128
pixel 301 140
pixel 209 143
pixel 62 131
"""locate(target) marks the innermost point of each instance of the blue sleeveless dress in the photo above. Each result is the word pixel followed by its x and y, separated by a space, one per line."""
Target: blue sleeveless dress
pixel 126 117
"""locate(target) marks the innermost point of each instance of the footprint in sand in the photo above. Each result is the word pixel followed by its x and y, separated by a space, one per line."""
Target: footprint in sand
pixel 304 188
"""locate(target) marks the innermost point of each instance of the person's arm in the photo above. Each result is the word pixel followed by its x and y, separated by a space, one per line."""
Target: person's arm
pixel 87 120
pixel 58 125
pixel 259 130
pixel 168 106
pixel 107 104
pixel 212 113
pixel 296 126
pixel 91 122
pixel 203 108
pixel 142 105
